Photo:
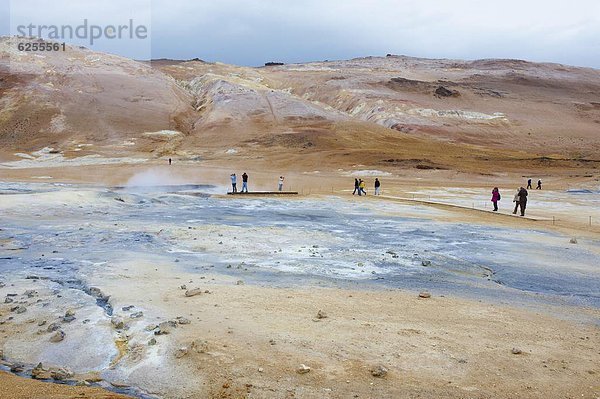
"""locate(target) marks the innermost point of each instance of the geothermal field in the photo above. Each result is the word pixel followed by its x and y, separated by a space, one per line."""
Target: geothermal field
pixel 124 276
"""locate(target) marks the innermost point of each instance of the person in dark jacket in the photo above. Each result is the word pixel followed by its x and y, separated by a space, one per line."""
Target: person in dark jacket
pixel 356 188
pixel 245 182
pixel 539 186
pixel 523 200
pixel 377 186
pixel 495 198
pixel 529 184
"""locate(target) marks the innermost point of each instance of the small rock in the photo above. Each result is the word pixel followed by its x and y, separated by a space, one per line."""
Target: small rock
pixel 119 384
pixel 379 371
pixel 164 328
pixel 136 315
pixel 152 342
pixel 272 342
pixel 8 300
pixel 424 295
pixel 17 367
pixel 118 323
pixel 127 308
pixel 82 383
pixel 183 287
pixel 20 309
pixel 68 319
pixel 193 292
pixel 181 352
pixel 303 369
pixel 69 313
pixel 61 373
pixel 321 315
pixel 41 323
pixel 39 373
pixel 53 327
pixel 426 263
pixel 97 292
pixel 239 282
pixel 200 346
pixel 58 336
pixel 30 293
pixel 183 320
pixel 92 377
pixel 260 369
pixel 573 241
pixel 516 351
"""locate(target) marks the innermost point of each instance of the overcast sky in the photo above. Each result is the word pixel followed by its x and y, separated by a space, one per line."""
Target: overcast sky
pixel 251 32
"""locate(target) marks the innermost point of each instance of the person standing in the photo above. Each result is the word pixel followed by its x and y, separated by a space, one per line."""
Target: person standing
pixel 245 182
pixel 529 184
pixel 233 182
pixel 523 200
pixel 170 161
pixel 356 188
pixel 539 186
pixel 377 186
pixel 361 187
pixel 516 200
pixel 495 198
pixel 281 178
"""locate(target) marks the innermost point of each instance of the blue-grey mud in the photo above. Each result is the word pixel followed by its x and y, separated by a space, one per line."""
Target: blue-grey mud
pixel 107 282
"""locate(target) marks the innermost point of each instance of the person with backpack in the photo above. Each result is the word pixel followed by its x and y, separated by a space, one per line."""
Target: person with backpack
pixel 495 198
pixel 539 186
pixel 529 184
pixel 523 200
pixel 377 186
pixel 245 182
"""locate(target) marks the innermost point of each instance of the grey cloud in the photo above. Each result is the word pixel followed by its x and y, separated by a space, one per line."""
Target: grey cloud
pixel 252 32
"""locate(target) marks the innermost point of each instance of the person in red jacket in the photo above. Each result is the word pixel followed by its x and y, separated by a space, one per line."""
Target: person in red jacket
pixel 495 198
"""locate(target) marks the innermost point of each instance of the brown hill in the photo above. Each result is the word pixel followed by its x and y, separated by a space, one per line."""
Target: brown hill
pixel 390 112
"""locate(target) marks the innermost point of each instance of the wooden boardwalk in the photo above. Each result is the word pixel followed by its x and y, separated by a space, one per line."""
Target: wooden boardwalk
pixel 264 193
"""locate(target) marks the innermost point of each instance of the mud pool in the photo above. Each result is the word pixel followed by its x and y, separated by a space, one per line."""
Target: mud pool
pixel 113 257
pixel 64 234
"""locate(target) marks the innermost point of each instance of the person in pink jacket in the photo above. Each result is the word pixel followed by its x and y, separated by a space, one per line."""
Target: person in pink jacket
pixel 495 198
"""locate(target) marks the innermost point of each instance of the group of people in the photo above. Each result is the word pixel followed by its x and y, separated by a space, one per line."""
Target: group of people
pixel 359 187
pixel 245 183
pixel 539 185
pixel 520 199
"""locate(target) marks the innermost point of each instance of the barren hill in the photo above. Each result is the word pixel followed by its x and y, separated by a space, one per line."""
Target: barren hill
pixel 392 111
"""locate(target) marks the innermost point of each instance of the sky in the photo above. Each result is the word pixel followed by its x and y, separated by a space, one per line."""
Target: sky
pixel 252 32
